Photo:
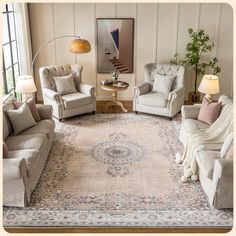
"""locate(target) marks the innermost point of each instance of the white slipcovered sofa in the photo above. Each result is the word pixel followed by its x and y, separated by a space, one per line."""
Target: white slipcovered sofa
pixel 164 104
pixel 27 154
pixel 80 102
pixel 215 173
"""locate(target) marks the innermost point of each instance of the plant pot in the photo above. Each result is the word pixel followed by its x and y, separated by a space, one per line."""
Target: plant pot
pixel 193 97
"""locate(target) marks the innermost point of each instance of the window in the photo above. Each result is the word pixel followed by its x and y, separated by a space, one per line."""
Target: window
pixel 9 48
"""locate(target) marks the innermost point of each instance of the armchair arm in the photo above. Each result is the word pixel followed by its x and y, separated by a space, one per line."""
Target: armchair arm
pixel 12 168
pixel 223 168
pixel 45 111
pixel 190 111
pixel 52 95
pixel 86 89
pixel 142 89
pixel 175 94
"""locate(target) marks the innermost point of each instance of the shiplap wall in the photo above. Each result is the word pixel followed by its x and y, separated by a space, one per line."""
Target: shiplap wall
pixel 160 32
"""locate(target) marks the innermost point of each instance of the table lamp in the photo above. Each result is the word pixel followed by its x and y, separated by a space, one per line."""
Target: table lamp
pixel 209 85
pixel 26 86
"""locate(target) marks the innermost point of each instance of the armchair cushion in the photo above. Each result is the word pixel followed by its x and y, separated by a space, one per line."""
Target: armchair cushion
pixel 163 83
pixel 76 100
pixel 154 99
pixel 65 84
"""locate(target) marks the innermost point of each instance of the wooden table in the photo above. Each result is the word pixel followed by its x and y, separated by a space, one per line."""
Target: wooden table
pixel 115 89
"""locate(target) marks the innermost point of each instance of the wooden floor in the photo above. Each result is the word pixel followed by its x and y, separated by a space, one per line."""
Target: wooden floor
pixel 100 107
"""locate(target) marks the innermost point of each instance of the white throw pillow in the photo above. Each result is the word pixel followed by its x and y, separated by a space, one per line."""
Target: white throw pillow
pixel 21 118
pixel 163 83
pixel 226 145
pixel 65 84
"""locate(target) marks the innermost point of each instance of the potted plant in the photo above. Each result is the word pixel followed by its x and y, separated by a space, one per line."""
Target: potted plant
pixel 198 46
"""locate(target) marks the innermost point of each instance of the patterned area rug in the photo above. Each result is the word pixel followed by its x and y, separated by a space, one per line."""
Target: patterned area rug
pixel 116 170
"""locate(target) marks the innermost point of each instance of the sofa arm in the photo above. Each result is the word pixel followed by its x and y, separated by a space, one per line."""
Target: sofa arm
pixel 86 89
pixel 142 89
pixel 12 168
pixel 190 111
pixel 175 94
pixel 45 111
pixel 52 95
pixel 223 168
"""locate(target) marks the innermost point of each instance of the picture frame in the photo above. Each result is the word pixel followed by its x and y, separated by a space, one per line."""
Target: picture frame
pixel 115 45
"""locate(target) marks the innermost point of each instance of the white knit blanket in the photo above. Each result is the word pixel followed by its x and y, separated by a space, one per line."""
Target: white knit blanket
pixel 210 138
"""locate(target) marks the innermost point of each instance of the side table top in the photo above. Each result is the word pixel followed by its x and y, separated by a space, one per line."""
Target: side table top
pixel 117 86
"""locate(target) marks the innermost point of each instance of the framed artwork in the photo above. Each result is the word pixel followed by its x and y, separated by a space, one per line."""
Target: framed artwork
pixel 115 43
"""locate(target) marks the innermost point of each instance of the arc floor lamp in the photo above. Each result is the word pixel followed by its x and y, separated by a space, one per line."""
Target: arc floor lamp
pixel 26 85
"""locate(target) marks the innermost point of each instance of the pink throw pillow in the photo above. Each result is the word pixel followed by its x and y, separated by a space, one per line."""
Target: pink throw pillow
pixel 32 106
pixel 230 152
pixel 4 150
pixel 209 111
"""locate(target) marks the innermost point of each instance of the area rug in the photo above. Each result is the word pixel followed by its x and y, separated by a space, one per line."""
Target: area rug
pixel 116 170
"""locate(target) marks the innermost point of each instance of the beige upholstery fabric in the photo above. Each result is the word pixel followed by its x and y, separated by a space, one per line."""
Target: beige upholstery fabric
pixel 69 105
pixel 163 83
pixel 215 173
pixel 206 161
pixel 174 99
pixel 65 84
pixel 27 156
pixel 226 145
pixel 154 99
pixel 31 157
pixel 21 118
pixel 76 99
pixel 33 141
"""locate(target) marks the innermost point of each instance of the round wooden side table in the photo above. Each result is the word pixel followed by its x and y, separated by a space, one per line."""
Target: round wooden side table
pixel 115 88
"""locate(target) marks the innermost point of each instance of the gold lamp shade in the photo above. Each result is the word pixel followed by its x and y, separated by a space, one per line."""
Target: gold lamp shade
pixel 80 46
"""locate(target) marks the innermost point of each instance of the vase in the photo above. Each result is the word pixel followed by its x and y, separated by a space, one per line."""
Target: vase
pixel 193 97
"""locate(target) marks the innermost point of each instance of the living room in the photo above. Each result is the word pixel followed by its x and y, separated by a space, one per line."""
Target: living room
pixel 126 117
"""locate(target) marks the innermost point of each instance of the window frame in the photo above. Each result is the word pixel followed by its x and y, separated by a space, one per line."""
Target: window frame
pixel 10 42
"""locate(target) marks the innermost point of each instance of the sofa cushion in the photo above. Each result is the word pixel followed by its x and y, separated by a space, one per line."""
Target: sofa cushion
pixel 42 127
pixel 31 157
pixel 191 125
pixel 21 119
pixel 19 142
pixel 4 150
pixel 154 99
pixel 209 111
pixel 206 161
pixel 76 100
pixel 32 105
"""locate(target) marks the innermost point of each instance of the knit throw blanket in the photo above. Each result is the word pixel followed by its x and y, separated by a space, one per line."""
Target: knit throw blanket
pixel 210 138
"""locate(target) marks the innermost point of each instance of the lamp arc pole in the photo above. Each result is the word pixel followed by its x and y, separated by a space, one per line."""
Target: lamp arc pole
pixel 52 40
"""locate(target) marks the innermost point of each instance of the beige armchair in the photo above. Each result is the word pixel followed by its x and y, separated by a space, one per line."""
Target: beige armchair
pixel 80 102
pixel 164 104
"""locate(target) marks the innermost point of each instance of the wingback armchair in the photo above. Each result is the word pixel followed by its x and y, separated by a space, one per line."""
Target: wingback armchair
pixel 81 101
pixel 164 104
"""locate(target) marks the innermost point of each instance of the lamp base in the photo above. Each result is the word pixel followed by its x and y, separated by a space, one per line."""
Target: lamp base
pixel 209 97
pixel 26 96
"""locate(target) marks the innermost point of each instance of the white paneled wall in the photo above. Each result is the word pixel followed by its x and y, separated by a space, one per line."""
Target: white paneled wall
pixel 160 32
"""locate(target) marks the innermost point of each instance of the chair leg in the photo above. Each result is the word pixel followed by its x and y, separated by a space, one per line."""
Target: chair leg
pixel 93 112
pixel 170 118
pixel 136 112
pixel 62 120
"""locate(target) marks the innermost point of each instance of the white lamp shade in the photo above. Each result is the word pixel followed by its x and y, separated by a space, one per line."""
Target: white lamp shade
pixel 25 84
pixel 209 84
